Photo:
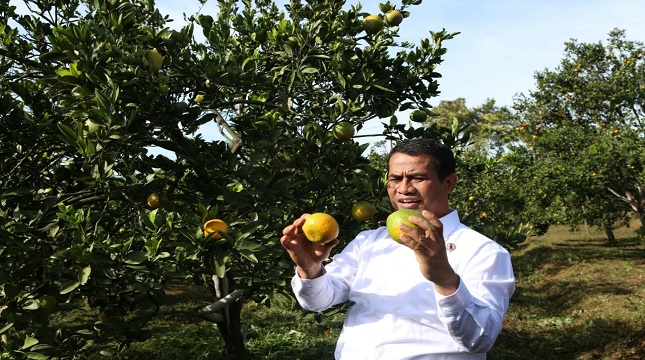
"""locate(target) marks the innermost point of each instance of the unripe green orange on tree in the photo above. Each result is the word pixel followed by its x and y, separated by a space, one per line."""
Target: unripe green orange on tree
pixel 393 18
pixel 418 116
pixel 343 131
pixel 401 217
pixel 363 210
pixel 372 24
pixel 320 228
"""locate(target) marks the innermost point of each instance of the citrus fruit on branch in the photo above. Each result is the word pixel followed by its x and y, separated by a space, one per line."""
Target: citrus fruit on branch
pixel 372 24
pixel 156 200
pixel 343 131
pixel 398 217
pixel 418 116
pixel 393 18
pixel 320 228
pixel 213 226
pixel 363 211
pixel 155 59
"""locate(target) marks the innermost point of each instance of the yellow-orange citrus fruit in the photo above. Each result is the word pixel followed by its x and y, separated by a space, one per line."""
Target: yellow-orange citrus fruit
pixel 363 210
pixel 372 24
pixel 343 131
pixel 320 228
pixel 393 18
pixel 156 200
pixel 155 58
pixel 212 226
pixel 401 216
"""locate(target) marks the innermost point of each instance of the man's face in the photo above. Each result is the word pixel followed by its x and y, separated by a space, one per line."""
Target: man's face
pixel 413 183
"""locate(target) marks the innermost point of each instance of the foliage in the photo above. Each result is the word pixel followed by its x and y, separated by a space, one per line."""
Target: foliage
pixel 96 122
pixel 581 134
pixel 488 123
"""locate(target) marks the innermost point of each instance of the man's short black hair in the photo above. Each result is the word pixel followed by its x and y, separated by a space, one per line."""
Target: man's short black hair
pixel 444 160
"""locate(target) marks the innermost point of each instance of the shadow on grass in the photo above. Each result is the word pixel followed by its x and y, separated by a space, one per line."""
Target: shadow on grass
pixel 576 299
pixel 598 339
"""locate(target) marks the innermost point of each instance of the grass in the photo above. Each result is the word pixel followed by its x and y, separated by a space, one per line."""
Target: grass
pixel 576 298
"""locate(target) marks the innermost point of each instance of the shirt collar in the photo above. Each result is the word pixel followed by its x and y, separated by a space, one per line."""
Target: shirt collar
pixel 450 222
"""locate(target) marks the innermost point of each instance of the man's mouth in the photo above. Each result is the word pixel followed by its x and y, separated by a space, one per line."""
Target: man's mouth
pixel 408 203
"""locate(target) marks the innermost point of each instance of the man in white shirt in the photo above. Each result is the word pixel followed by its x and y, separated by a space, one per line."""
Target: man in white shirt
pixel 441 293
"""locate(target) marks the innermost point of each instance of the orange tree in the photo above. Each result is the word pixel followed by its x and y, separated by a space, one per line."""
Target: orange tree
pixel 104 105
pixel 581 134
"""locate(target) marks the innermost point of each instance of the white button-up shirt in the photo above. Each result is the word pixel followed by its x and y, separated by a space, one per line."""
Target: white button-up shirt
pixel 397 314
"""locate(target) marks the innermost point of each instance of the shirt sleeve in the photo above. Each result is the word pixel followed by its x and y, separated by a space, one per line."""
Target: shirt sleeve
pixel 333 286
pixel 474 314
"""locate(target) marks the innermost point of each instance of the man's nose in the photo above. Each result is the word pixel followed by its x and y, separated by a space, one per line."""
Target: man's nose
pixel 405 186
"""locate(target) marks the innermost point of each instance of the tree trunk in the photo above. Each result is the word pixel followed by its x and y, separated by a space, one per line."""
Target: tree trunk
pixel 611 238
pixel 226 313
pixel 231 330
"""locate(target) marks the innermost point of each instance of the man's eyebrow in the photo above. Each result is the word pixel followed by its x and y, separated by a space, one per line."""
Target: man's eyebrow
pixel 414 174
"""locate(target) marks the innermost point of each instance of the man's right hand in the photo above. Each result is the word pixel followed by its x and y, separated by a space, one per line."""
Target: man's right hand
pixel 307 256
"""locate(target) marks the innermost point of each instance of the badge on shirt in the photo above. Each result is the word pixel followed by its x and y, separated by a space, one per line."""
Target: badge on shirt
pixel 451 247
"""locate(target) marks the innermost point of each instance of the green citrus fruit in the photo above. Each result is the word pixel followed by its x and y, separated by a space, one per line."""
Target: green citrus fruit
pixel 343 131
pixel 396 218
pixel 363 210
pixel 418 116
pixel 373 24
pixel 320 228
pixel 393 18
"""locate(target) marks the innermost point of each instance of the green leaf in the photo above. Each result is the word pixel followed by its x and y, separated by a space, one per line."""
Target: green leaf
pixel 69 133
pixel 37 356
pixel 309 70
pixel 69 287
pixel 6 327
pixel 29 342
pixel 135 258
pixel 84 275
pixel 219 263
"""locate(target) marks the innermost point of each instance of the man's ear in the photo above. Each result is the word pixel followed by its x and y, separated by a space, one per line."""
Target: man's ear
pixel 450 181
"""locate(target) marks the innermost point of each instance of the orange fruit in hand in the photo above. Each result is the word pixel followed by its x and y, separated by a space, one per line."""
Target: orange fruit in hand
pixel 363 210
pixel 214 225
pixel 320 228
pixel 401 216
